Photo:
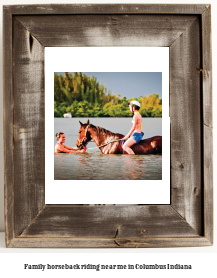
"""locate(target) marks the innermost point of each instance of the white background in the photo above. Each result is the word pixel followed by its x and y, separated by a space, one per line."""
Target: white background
pixel 203 259
pixel 139 59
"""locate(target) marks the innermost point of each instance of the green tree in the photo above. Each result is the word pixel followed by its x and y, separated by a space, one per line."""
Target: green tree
pixel 83 96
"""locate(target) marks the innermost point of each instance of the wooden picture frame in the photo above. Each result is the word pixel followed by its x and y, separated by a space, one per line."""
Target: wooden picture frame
pixel 186 30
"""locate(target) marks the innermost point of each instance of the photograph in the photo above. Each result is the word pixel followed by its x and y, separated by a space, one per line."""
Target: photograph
pixel 108 125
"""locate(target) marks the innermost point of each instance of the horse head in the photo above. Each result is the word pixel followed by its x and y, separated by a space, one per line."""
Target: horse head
pixel 83 136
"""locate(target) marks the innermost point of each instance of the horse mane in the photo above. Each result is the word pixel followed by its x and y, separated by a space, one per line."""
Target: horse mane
pixel 102 130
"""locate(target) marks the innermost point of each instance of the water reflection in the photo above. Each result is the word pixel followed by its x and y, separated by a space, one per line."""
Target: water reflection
pixel 140 167
pixel 90 166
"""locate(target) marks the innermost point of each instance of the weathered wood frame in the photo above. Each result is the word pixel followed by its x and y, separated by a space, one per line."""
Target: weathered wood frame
pixel 186 29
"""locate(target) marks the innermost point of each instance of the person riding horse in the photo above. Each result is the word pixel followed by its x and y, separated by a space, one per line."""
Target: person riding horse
pixel 110 143
pixel 136 130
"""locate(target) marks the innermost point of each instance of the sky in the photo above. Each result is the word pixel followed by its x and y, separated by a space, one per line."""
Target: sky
pixel 130 84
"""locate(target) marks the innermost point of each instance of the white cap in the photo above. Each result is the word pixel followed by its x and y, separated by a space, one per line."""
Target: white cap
pixel 135 102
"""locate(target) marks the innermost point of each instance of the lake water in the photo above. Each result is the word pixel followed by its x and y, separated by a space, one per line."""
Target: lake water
pixel 93 165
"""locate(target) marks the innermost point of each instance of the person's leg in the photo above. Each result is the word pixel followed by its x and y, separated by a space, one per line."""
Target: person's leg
pixel 128 144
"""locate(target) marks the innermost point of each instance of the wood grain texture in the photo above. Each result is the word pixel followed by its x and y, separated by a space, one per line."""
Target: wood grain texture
pixel 207 118
pixel 109 222
pixel 106 9
pixel 208 183
pixel 29 140
pixel 186 30
pixel 34 242
pixel 207 67
pixel 185 111
pixel 8 125
pixel 107 30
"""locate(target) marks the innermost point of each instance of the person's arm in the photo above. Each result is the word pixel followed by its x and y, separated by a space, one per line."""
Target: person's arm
pixel 132 129
pixel 74 150
pixel 69 148
pixel 65 150
pixel 61 148
pixel 77 150
pixel 83 150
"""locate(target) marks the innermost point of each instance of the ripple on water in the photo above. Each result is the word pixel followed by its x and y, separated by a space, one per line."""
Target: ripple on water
pixel 95 166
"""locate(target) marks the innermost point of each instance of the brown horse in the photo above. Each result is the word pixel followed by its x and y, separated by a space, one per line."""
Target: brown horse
pixel 102 136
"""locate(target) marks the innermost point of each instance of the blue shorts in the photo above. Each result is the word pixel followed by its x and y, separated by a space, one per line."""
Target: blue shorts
pixel 137 136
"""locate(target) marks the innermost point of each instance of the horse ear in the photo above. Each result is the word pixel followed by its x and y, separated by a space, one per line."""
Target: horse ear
pixel 80 123
pixel 88 122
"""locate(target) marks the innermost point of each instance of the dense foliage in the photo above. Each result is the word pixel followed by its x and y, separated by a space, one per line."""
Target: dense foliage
pixel 82 96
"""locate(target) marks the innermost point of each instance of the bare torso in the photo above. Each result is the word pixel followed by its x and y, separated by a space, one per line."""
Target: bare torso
pixel 137 118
